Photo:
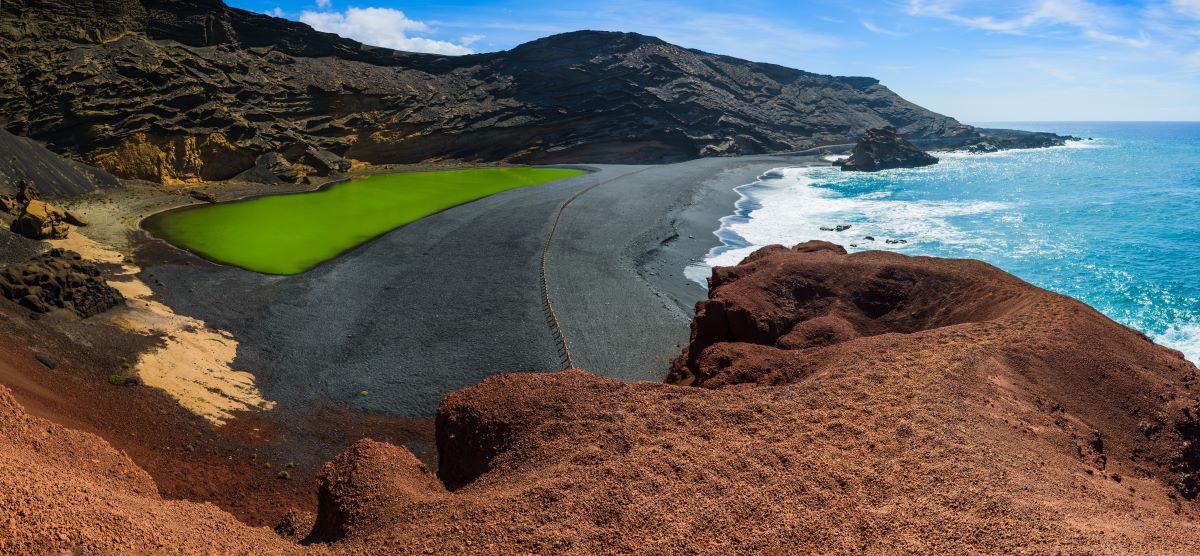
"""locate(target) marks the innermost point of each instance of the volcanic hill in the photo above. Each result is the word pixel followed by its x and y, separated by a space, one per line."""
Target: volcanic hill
pixel 828 403
pixel 170 90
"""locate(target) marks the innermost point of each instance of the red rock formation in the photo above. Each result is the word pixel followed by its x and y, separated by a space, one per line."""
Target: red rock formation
pixel 68 491
pixel 864 403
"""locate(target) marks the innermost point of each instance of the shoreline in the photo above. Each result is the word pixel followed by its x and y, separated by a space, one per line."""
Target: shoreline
pixel 144 225
pixel 466 280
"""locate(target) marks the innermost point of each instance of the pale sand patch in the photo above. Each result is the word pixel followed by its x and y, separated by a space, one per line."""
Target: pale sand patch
pixel 194 365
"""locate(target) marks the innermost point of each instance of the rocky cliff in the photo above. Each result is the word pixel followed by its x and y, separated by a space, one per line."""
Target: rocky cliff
pixel 191 89
pixel 827 403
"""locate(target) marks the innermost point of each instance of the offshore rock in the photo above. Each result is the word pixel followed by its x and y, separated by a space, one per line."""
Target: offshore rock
pixel 883 148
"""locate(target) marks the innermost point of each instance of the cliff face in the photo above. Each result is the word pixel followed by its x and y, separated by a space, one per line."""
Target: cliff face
pixel 192 89
pixel 833 403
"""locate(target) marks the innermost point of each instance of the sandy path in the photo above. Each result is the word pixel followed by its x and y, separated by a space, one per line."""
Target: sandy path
pixel 194 363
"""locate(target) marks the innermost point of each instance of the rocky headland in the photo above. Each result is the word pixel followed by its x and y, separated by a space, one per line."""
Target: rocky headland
pixel 827 403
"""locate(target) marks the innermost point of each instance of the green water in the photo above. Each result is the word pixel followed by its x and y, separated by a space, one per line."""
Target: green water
pixel 288 234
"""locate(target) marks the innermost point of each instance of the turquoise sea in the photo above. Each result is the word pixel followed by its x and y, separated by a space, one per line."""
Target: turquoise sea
pixel 1114 221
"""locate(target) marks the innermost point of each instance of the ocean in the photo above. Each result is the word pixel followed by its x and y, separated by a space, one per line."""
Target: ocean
pixel 1113 221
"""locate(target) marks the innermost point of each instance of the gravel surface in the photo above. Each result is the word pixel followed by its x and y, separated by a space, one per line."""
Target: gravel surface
pixel 444 302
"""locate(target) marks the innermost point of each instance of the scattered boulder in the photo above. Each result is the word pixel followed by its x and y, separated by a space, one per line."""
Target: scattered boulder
pixel 40 220
pixel 314 161
pixel 838 228
pixel 271 167
pixel 74 219
pixel 202 196
pixel 883 148
pixel 9 204
pixel 896 241
pixel 59 279
pixel 983 147
pixel 27 192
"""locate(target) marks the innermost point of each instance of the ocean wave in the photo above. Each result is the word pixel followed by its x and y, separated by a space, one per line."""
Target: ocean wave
pixel 1080 144
pixel 792 205
pixel 1183 337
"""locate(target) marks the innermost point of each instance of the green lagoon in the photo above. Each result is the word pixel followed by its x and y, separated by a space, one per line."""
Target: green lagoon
pixel 291 233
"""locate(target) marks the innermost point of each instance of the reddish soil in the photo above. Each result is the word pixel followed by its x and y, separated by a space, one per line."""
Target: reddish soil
pixel 235 466
pixel 866 403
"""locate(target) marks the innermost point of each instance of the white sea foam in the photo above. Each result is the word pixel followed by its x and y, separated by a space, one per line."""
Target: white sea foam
pixel 1081 144
pixel 787 206
pixel 1183 337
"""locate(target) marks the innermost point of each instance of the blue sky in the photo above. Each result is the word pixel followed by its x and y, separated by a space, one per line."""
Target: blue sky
pixel 979 61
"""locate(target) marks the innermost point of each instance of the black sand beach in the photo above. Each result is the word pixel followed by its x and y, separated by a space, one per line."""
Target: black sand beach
pixel 446 301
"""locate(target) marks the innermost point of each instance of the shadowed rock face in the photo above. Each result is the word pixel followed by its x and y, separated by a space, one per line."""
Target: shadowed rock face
pixel 191 89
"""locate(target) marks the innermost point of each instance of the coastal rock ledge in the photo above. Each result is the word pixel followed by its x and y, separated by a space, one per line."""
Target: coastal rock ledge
pixel 883 148
pixel 827 403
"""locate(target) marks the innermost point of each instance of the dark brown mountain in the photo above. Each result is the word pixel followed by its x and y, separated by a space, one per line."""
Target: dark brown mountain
pixel 191 89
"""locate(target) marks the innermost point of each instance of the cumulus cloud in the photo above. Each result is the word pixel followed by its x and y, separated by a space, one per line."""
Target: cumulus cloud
pixel 324 4
pixel 384 27
pixel 277 12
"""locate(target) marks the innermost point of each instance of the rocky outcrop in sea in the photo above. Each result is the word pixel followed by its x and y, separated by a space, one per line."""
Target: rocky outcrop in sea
pixel 883 148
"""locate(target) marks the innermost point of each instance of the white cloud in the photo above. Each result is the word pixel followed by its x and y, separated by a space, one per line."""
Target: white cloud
pixel 1189 8
pixel 324 4
pixel 1090 19
pixel 380 27
pixel 277 12
pixel 880 30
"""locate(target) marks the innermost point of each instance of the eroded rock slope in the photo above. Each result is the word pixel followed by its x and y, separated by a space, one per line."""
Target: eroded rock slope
pixel 191 89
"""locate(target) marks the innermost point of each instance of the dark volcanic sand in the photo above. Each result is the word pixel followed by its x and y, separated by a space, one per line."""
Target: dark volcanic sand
pixel 446 301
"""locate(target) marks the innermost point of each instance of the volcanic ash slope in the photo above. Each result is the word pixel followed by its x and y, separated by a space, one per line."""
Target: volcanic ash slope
pixel 827 403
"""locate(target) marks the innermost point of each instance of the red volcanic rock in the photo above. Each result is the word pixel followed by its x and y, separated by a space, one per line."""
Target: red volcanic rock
pixel 368 476
pixel 63 491
pixel 837 404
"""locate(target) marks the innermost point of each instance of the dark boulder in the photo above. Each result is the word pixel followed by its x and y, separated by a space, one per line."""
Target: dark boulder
pixel 10 205
pixel 45 360
pixel 59 279
pixel 322 162
pixel 883 148
pixel 27 192
pixel 271 168
pixel 202 196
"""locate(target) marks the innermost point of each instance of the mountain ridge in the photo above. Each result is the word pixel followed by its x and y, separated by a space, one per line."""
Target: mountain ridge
pixel 186 90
